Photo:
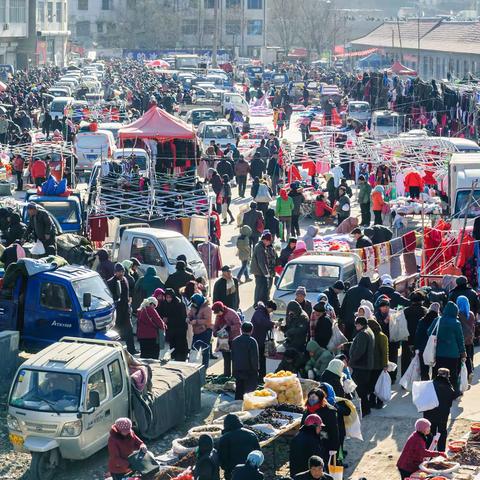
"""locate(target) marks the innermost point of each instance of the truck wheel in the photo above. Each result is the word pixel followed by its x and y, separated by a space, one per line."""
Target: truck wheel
pixel 44 465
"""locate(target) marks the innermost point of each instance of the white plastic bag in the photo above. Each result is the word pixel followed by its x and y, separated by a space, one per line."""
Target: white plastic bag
pixel 391 367
pixel 413 374
pixel 398 327
pixel 335 471
pixel 353 427
pixel 430 352
pixel 337 338
pixel 383 387
pixel 349 386
pixel 38 248
pixel 424 396
pixel 463 384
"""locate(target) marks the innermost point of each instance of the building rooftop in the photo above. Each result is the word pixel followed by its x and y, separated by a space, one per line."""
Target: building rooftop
pixel 435 35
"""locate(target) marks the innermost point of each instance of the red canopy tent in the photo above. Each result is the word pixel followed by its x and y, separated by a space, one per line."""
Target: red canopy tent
pixel 398 69
pixel 158 63
pixel 158 125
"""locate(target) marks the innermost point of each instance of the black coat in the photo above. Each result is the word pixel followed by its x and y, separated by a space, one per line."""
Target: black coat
pixel 220 294
pixel 257 168
pixel 244 357
pixel 363 242
pixel 246 472
pixel 207 467
pixel 224 167
pixel 178 280
pixel 285 255
pixel 395 297
pixel 334 381
pixel 446 395
pixel 329 435
pixel 308 476
pixel 305 444
pixel 333 300
pixel 378 234
pixel 353 298
pixel 469 293
pixel 235 444
pixel 323 331
pixel 413 314
pixel 251 218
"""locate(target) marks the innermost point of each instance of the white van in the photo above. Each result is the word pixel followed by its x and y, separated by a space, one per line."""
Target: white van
pixel 63 91
pixel 155 247
pixel 221 131
pixel 93 146
pixel 237 102
pixel 58 106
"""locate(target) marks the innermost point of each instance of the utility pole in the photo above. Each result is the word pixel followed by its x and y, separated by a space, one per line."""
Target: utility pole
pixel 215 33
pixel 418 43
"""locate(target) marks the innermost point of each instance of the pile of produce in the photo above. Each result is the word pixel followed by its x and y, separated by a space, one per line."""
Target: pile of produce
pixel 469 455
pixel 169 473
pixel 286 385
pixel 269 416
pixel 259 399
pixel 287 407
pixel 213 430
pixel 189 442
pixel 187 460
pixel 262 436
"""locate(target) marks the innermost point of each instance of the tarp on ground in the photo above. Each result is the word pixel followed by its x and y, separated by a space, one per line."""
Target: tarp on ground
pixel 398 69
pixel 159 125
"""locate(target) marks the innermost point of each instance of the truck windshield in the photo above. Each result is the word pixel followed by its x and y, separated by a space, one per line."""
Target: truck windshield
pixel 462 201
pixel 219 131
pixel 173 247
pixel 386 121
pixel 64 212
pixel 358 107
pixel 314 277
pixel 101 297
pixel 46 391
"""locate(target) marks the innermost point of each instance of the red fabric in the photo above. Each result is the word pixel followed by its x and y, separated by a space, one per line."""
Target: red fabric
pixel 309 165
pixel 293 174
pixel 39 169
pixel 413 179
pixel 466 250
pixel 218 225
pixel 321 207
pixel 18 164
pixel 409 241
pixel 120 447
pixel 157 123
pixel 413 453
pixel 98 228
pixel 149 322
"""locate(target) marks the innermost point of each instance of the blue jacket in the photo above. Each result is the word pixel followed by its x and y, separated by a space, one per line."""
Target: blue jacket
pixel 450 343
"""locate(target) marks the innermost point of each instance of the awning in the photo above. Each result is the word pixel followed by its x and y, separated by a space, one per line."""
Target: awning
pixel 360 53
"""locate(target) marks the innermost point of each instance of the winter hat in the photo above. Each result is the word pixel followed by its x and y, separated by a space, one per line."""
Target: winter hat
pixel 367 312
pixel 367 303
pixel 124 424
pixel 217 307
pixel 319 307
pixel 255 458
pixel 382 301
pixel 271 304
pixel 461 281
pixel 247 327
pixel 158 291
pixel 127 264
pixel 336 366
pixel 422 425
pixel 170 292
pixel 197 299
pixel 301 291
pixel 434 307
pixel 443 372
pixel 119 268
pixel 386 279
pixel 339 285
pixel 314 420
pixel 266 235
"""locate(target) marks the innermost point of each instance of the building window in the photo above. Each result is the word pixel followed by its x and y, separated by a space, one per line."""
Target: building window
pixel 232 27
pixel 209 3
pixel 253 52
pixel 83 29
pixel 232 3
pixel 3 11
pixel 59 12
pixel 17 11
pixel 208 27
pixel 465 67
pixel 189 27
pixel 100 27
pixel 106 4
pixel 49 11
pixel 82 4
pixel 474 67
pixel 40 12
pixel 254 27
pixel 255 4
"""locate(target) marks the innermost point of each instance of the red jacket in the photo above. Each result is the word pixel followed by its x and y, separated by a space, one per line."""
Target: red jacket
pixel 120 448
pixel 230 319
pixel 414 452
pixel 149 322
pixel 321 207
pixel 413 179
pixel 39 169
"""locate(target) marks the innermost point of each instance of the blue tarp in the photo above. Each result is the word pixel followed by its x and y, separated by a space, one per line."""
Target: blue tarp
pixel 374 60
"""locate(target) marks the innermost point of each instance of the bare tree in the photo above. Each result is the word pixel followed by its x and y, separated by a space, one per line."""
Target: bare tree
pixel 285 16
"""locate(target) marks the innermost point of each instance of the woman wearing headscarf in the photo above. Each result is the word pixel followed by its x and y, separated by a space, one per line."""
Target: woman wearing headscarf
pixel 421 336
pixel 415 450
pixel 251 469
pixel 317 404
pixel 383 314
pixel 322 332
pixel 333 375
pixel 378 202
pixel 149 323
pixel 200 317
pixel 127 264
pixel 450 343
pixel 174 314
pixel 207 464
pixel 467 320
pixel 146 285
pixel 122 442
